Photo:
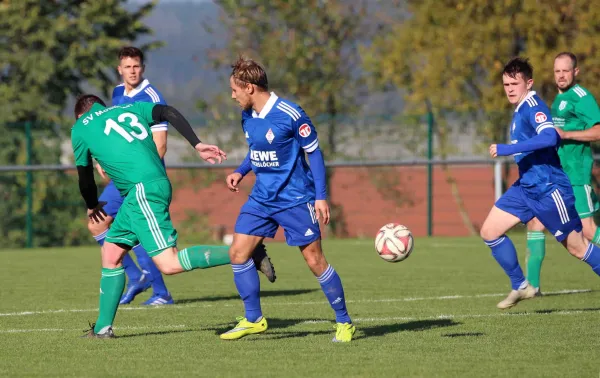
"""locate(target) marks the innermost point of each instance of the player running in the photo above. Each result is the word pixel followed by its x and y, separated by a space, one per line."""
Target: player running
pixel 118 138
pixel 543 189
pixel 575 114
pixel 287 193
pixel 134 88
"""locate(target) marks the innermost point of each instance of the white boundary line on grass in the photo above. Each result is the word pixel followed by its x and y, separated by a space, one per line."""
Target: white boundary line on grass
pixel 275 303
pixel 356 320
pixel 79 329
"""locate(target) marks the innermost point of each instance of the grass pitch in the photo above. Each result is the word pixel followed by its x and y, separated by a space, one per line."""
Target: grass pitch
pixel 431 315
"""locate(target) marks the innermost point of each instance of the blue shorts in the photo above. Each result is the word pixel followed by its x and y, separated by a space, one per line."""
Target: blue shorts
pixel 556 210
pixel 299 223
pixel 113 199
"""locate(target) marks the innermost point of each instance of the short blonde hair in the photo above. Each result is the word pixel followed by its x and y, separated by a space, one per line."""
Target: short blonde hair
pixel 246 71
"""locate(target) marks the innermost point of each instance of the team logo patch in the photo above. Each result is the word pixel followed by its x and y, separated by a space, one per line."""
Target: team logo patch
pixel 562 106
pixel 270 136
pixel 540 117
pixel 304 130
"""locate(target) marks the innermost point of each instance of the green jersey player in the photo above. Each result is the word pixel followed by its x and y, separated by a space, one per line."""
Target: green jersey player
pixel 576 116
pixel 119 138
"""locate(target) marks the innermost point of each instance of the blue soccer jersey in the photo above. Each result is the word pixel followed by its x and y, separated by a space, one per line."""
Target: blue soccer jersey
pixel 278 138
pixel 144 92
pixel 538 169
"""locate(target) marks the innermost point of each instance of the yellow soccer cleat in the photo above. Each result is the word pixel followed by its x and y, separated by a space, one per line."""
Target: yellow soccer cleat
pixel 244 327
pixel 344 332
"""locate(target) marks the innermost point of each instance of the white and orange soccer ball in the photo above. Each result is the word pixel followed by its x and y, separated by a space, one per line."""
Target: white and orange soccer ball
pixel 394 242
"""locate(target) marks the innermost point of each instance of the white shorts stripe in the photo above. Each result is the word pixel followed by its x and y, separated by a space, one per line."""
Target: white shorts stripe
pixel 312 212
pixel 149 215
pixel 560 206
pixel 588 192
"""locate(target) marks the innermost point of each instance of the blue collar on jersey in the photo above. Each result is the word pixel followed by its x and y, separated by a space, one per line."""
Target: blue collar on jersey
pixel 529 95
pixel 267 108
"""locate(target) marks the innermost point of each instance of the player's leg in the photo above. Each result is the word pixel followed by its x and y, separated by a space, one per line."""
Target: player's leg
pixel 118 240
pixel 536 251
pixel 509 210
pixel 586 204
pixel 160 293
pixel 251 228
pixel 302 230
pixel 560 216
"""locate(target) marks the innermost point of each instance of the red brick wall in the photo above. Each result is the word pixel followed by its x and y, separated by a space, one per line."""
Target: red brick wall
pixel 369 198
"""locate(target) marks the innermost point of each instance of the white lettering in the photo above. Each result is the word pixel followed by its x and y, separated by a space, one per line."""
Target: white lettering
pixel 263 155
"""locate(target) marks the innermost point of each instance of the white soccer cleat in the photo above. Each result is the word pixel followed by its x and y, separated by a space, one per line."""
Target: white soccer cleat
pixel 515 296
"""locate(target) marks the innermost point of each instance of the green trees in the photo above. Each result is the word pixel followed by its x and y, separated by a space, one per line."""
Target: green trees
pixel 50 51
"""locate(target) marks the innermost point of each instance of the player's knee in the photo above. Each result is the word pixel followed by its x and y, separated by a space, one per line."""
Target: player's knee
pixel 488 233
pixel 111 255
pixel 576 244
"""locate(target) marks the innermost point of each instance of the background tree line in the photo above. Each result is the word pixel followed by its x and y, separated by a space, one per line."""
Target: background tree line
pixel 329 56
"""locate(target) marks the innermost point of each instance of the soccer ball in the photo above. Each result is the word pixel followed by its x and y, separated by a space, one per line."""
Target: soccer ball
pixel 394 242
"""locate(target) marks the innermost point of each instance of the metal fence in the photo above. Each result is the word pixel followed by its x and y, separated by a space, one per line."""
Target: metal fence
pixel 432 197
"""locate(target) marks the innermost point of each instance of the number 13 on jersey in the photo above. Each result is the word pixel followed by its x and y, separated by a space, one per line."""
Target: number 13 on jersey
pixel 133 122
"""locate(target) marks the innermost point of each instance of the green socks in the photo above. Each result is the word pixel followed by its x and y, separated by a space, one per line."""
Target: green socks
pixel 203 256
pixel 536 250
pixel 112 284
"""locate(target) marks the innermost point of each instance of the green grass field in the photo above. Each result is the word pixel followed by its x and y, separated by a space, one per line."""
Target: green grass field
pixel 431 315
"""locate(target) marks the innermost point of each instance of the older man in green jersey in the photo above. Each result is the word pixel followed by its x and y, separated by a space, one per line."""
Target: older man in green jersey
pixel 577 118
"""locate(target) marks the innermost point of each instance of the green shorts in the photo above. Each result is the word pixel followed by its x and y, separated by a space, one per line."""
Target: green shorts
pixel 144 218
pixel 586 201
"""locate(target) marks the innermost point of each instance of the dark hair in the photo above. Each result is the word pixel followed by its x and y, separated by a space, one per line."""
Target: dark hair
pixel 85 102
pixel 517 66
pixel 131 52
pixel 570 55
pixel 248 71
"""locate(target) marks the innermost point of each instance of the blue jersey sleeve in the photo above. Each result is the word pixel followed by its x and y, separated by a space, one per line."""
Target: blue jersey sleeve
pixel 540 118
pixel 151 94
pixel 305 133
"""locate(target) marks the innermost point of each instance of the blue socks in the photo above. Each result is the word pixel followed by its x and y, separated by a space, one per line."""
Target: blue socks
pixel 246 280
pixel 505 253
pixel 100 238
pixel 592 258
pixel 149 267
pixel 332 287
pixel 134 274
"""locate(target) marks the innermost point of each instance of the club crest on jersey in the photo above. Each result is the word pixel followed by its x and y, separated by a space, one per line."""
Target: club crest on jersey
pixel 304 130
pixel 270 136
pixel 540 117
pixel 562 106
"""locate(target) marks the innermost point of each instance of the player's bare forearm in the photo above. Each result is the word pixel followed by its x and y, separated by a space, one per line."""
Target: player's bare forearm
pixel 160 139
pixel 589 135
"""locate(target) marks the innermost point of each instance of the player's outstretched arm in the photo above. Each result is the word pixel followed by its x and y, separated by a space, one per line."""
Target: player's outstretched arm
pixel 166 113
pixel 546 138
pixel 590 135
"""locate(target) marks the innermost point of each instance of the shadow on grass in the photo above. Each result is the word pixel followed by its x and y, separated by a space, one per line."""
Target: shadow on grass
pixel 464 334
pixel 327 328
pixel 155 333
pixel 263 294
pixel 563 310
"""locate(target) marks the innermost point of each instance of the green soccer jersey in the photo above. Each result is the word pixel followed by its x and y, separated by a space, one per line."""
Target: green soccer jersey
pixel 576 110
pixel 120 139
